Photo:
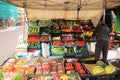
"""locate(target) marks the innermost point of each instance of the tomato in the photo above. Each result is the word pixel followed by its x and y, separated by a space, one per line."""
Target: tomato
pixel 80 43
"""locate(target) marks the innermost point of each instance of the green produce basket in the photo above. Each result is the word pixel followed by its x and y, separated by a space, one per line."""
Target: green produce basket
pixel 82 50
pixel 70 51
pixel 58 51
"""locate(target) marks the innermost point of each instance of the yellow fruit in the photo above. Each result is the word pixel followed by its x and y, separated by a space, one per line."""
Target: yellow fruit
pixel 109 69
pixel 42 78
pixel 97 70
pixel 64 77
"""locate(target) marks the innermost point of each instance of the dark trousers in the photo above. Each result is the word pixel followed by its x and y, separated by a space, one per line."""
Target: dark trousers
pixel 101 46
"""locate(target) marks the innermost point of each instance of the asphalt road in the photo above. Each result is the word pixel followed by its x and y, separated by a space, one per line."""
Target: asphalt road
pixel 8 42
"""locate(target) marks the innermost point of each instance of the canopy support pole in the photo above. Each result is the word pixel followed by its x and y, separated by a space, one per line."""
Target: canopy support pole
pixel 104 12
pixel 78 9
pixel 25 25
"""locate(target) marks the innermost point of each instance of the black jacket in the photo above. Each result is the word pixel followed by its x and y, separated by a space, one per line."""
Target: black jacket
pixel 102 32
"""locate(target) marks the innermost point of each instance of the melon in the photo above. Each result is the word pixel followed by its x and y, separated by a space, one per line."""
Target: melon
pixel 18 77
pixel 97 70
pixel 109 69
pixel 101 63
pixel 1 75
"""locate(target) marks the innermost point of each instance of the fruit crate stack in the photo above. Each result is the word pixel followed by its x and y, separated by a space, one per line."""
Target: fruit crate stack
pixel 33 39
pixel 68 35
pixel 57 48
pixel 71 33
pixel 64 38
pixel 88 29
pixel 57 45
pixel 69 43
pixel 45 40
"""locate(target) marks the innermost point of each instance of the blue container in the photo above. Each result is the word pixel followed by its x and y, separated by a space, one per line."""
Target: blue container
pixel 82 50
pixel 70 51
pixel 37 47
pixel 21 54
pixel 58 51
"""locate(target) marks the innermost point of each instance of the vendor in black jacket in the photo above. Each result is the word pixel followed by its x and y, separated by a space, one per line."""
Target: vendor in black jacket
pixel 102 32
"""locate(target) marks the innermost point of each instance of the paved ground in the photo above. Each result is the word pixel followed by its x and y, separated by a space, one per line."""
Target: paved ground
pixel 8 41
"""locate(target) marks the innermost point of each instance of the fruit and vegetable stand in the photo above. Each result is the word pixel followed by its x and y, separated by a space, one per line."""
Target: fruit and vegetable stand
pixel 66 57
pixel 58 49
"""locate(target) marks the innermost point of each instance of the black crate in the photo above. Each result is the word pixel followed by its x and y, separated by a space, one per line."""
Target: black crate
pixel 89 76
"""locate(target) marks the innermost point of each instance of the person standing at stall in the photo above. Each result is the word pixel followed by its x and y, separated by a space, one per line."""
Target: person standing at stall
pixel 102 33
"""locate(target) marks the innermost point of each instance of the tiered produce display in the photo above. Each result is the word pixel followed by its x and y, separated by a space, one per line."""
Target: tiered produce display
pixel 33 38
pixel 67 46
pixel 88 29
pixel 64 37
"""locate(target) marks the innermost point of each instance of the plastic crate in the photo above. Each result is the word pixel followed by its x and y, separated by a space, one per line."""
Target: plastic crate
pixel 37 47
pixel 89 76
pixel 82 50
pixel 45 37
pixel 74 65
pixel 55 29
pixel 70 51
pixel 32 49
pixel 56 36
pixel 57 43
pixel 45 30
pixel 32 30
pixel 59 53
pixel 33 44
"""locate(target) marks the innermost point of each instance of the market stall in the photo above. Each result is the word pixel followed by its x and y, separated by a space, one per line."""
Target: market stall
pixel 58 42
